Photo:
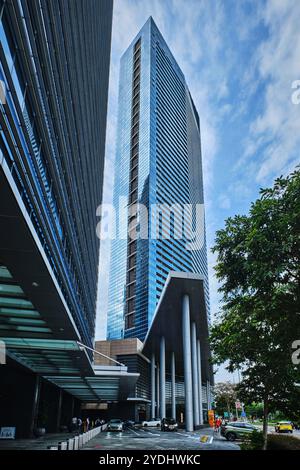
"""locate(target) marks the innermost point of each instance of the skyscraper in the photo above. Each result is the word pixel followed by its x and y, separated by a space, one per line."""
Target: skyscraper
pixel 158 164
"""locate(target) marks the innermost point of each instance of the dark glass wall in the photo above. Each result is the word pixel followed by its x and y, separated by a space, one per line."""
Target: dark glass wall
pixel 55 66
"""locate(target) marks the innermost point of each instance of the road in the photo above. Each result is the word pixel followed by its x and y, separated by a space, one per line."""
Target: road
pixel 271 430
pixel 154 439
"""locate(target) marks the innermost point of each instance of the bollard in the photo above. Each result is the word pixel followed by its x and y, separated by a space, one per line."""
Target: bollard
pixel 52 448
pixel 70 444
pixel 80 441
pixel 62 445
pixel 76 443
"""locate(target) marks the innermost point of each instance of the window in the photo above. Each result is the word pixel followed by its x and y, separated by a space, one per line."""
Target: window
pixel 132 247
pixel 134 172
pixel 137 45
pixel 132 275
pixel 135 100
pixel 130 290
pixel 132 261
pixel 134 184
pixel 135 92
pixel 134 161
pixel 129 321
pixel 134 151
pixel 130 305
pixel 133 197
pixel 135 120
pixel 136 68
pixel 135 129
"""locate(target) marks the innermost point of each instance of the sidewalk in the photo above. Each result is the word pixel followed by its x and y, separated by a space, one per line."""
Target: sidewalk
pixel 39 443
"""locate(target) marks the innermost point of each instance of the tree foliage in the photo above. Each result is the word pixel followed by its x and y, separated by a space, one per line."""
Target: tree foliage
pixel 225 397
pixel 258 265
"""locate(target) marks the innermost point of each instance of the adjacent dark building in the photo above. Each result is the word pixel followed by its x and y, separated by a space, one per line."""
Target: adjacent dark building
pixel 54 74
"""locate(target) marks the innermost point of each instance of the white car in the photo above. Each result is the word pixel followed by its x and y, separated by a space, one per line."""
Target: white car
pixel 115 425
pixel 154 423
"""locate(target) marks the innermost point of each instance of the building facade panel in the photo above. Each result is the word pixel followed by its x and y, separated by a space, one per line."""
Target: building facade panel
pixel 53 125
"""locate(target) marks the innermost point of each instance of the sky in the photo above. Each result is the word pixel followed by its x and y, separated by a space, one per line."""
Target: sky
pixel 240 59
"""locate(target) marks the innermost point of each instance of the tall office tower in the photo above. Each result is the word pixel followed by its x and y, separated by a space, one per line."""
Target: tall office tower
pixel 158 162
pixel 54 73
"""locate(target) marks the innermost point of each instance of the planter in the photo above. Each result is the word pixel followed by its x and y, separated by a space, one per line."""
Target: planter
pixel 39 432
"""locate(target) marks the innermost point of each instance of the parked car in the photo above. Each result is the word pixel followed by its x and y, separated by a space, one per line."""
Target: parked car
pixel 237 430
pixel 152 423
pixel 169 424
pixel 115 425
pixel 129 423
pixel 284 426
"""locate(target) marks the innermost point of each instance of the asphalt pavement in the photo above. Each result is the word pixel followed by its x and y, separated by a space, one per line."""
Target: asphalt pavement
pixel 154 439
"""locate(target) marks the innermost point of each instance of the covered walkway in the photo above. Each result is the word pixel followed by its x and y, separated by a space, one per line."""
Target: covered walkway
pixel 177 344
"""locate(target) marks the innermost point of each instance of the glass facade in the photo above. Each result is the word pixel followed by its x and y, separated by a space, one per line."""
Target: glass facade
pixel 52 135
pixel 158 164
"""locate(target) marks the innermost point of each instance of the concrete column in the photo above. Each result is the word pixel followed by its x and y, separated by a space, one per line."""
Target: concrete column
pixel 35 404
pixel 173 385
pixel 72 407
pixel 199 382
pixel 195 375
pixel 162 365
pixel 186 341
pixel 153 386
pixel 208 395
pixel 157 392
pixel 58 417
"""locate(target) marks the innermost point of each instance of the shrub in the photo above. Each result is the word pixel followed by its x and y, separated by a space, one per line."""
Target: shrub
pixel 255 441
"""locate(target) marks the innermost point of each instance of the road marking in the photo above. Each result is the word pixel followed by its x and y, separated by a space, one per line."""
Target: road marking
pixel 133 431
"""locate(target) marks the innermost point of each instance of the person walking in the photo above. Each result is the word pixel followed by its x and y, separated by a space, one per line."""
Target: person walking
pixel 218 424
pixel 79 424
pixel 73 424
pixel 97 422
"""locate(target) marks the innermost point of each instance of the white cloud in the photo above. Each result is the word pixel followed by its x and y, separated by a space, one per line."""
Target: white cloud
pixel 275 133
pixel 224 202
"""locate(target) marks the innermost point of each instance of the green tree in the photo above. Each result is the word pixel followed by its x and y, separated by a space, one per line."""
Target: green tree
pixel 254 409
pixel 258 265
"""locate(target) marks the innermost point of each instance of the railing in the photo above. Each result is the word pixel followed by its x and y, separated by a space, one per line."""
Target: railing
pixel 76 442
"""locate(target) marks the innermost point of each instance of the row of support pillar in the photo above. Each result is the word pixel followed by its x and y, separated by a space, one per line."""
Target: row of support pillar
pixel 36 403
pixel 192 375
